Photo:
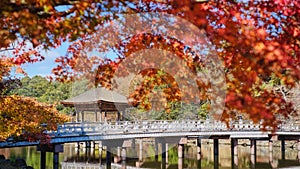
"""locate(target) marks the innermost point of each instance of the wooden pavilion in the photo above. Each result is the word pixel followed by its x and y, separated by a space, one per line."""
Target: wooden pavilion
pixel 99 101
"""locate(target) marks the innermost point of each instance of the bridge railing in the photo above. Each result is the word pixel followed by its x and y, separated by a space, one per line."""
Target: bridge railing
pixel 289 126
pixel 121 127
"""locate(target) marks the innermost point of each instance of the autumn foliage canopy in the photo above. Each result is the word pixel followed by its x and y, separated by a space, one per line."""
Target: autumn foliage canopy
pixel 24 120
pixel 255 40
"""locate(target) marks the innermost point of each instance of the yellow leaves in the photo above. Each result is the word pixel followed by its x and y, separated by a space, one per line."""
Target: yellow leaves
pixel 20 115
pixel 259 47
pixel 5 67
pixel 22 31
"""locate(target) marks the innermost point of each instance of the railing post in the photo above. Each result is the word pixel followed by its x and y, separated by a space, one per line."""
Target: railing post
pixel 298 148
pixel 77 145
pixel 180 163
pixel 198 148
pixel 270 145
pixel 253 153
pixel 234 152
pixel 57 148
pixel 141 150
pixel 43 159
pixel 108 157
pixel 282 149
pixel 123 153
pixel 118 158
pixel 163 154
pixel 156 149
pixel 216 153
pixel 87 144
pixel 100 152
pixel 216 147
pixel 167 154
pixel 180 150
pixel 253 146
pixel 55 160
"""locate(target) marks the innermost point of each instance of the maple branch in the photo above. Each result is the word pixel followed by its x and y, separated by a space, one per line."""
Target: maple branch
pixel 65 2
pixel 3 50
pixel 14 7
pixel 39 11
pixel 66 13
pixel 282 92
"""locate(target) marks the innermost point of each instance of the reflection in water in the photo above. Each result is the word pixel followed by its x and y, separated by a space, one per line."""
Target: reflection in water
pixel 145 157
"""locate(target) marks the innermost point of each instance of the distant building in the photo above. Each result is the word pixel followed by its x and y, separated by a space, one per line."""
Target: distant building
pixel 106 105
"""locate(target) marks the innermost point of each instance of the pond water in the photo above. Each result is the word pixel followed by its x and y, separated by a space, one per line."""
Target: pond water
pixel 91 156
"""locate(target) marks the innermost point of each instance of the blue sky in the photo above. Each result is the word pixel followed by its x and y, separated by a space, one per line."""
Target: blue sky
pixel 45 67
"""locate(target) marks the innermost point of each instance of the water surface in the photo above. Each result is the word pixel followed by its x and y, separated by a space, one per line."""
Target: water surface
pixel 87 156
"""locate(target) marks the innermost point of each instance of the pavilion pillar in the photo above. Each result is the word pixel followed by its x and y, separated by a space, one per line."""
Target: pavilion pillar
pixel 121 115
pixel 82 116
pixel 118 116
pixel 96 116
pixel 77 116
pixel 124 115
pixel 100 115
pixel 105 116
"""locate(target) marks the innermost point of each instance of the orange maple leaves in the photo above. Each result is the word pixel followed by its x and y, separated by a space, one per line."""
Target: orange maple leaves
pixel 256 39
pixel 21 118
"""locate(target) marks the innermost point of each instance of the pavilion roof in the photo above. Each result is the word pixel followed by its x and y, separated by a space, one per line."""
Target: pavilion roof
pixel 96 95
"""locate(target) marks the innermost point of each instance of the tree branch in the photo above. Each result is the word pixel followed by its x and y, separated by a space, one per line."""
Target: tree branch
pixel 3 50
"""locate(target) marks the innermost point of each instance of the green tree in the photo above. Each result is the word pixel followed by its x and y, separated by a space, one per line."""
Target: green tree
pixel 33 87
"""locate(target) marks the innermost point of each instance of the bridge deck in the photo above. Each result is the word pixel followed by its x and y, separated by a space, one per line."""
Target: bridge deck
pixel 80 132
pixel 81 165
